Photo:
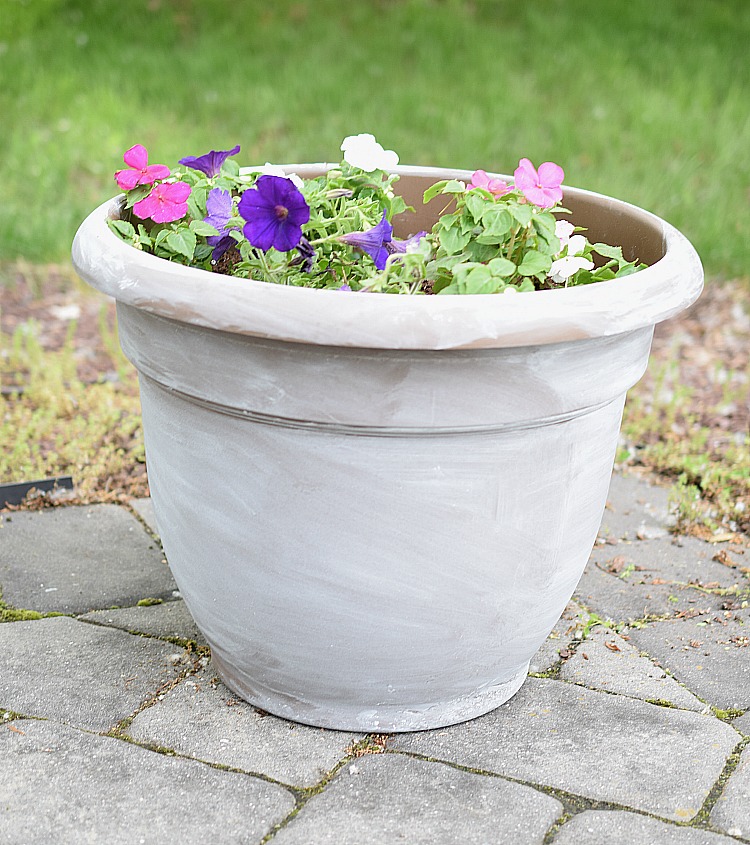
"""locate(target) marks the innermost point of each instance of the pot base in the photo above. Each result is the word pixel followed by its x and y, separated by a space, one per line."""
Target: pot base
pixel 381 718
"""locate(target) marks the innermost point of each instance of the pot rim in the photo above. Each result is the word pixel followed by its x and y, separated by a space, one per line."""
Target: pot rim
pixel 391 321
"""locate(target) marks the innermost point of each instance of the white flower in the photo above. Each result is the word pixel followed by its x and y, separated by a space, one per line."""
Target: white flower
pixel 365 152
pixel 563 230
pixel 269 169
pixel 576 245
pixel 562 269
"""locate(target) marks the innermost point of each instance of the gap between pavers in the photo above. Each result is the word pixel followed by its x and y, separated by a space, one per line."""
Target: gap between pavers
pixel 709 653
pixel 201 718
pixel 169 619
pixel 618 827
pixel 79 558
pixel 65 786
pixel 594 744
pixel 81 674
pixel 731 812
pixel 606 661
pixel 388 798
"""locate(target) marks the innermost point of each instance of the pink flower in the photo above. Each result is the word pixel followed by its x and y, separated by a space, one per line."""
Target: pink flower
pixel 165 203
pixel 496 187
pixel 540 187
pixel 140 172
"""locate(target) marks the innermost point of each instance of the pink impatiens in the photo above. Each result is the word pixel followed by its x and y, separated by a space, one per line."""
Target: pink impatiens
pixel 497 187
pixel 541 187
pixel 166 202
pixel 140 172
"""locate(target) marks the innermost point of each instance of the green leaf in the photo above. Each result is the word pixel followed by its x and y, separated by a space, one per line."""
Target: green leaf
pixel 122 228
pixel 182 242
pixel 143 236
pixel 475 205
pixel 434 190
pixel 136 195
pixel 453 240
pixel 496 222
pixel 502 267
pixel 453 186
pixel 478 250
pixel 534 263
pixel 609 251
pixel 478 280
pixel 199 227
pixel 522 213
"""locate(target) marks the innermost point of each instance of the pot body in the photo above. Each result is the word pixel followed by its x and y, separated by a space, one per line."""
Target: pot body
pixel 377 507
pixel 376 540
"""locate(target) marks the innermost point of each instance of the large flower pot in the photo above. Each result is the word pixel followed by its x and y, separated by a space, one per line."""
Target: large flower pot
pixel 375 506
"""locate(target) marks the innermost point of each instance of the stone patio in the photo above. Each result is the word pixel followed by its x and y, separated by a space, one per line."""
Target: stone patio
pixel 633 729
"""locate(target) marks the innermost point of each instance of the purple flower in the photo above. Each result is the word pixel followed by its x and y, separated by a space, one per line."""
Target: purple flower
pixel 210 163
pixel 373 241
pixel 409 245
pixel 219 208
pixel 275 211
pixel 306 257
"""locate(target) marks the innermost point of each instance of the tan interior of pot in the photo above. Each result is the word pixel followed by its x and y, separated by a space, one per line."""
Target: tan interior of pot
pixel 605 220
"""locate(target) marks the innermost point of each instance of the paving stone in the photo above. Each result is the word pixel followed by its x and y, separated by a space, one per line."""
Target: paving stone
pixel 201 718
pixel 732 810
pixel 75 559
pixel 710 654
pixel 81 674
pixel 742 723
pixel 594 744
pixel 68 787
pixel 170 619
pixel 608 662
pixel 145 509
pixel 382 799
pixel 635 510
pixel 617 827
pixel 653 578
pixel 567 629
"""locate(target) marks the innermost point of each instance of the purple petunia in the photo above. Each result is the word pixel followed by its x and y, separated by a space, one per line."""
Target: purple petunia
pixel 210 163
pixel 373 241
pixel 219 208
pixel 408 245
pixel 275 211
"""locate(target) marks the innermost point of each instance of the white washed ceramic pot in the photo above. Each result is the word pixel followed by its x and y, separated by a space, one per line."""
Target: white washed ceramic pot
pixel 376 507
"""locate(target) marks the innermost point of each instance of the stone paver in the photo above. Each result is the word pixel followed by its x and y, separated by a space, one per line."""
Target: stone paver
pixel 608 662
pixel 384 799
pixel 170 619
pixel 635 510
pixel 711 654
pixel 145 510
pixel 742 723
pixel 76 559
pixel 567 629
pixel 732 810
pixel 653 578
pixel 593 744
pixel 63 786
pixel 201 718
pixel 81 674
pixel 617 827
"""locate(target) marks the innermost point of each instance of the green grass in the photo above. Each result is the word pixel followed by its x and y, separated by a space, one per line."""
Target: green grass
pixel 58 425
pixel 642 100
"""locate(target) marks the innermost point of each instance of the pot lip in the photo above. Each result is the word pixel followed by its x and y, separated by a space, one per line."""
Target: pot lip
pixel 389 321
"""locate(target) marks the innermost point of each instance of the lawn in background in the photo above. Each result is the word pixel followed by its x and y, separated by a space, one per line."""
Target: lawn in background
pixel 646 101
